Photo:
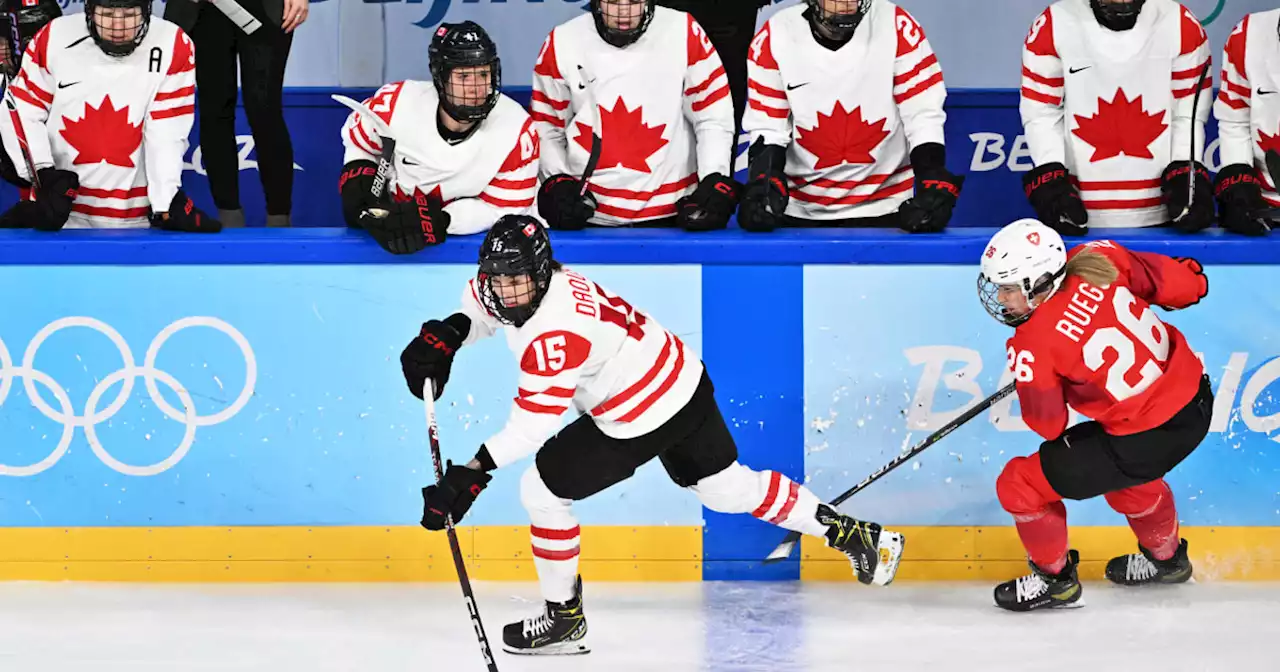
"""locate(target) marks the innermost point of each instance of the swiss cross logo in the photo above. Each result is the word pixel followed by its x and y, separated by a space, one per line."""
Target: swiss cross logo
pixel 530 229
pixel 1033 238
pixel 991 252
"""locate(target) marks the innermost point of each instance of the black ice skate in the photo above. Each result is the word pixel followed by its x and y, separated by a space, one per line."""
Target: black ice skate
pixel 873 551
pixel 1137 569
pixel 560 630
pixel 1041 590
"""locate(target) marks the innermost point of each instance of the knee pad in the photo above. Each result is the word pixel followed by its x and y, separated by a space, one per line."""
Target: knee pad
pixel 1141 500
pixel 734 489
pixel 543 506
pixel 1022 487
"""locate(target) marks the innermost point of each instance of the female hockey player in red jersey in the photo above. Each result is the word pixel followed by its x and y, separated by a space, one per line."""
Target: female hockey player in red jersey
pixel 1087 336
pixel 643 394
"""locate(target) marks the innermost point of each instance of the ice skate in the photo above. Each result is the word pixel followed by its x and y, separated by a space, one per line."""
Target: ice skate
pixel 1138 569
pixel 1041 590
pixel 560 630
pixel 873 551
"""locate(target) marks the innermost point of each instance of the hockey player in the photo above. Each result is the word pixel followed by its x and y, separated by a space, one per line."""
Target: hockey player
pixel 1108 90
pixel 845 118
pixel 1086 337
pixel 643 394
pixel 110 96
pixel 1248 111
pixel 465 154
pixel 647 81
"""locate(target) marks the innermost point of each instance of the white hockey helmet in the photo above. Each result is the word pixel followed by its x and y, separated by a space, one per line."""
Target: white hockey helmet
pixel 1025 254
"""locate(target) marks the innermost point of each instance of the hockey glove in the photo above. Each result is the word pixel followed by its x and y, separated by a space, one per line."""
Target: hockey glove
pixel 765 198
pixel 356 189
pixel 184 216
pixel 563 206
pixel 453 496
pixel 407 226
pixel 430 355
pixel 1057 203
pixel 711 205
pixel 1240 204
pixel 1202 280
pixel 1175 185
pixel 936 191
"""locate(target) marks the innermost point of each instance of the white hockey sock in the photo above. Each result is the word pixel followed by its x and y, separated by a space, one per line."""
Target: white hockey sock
pixel 554 533
pixel 767 495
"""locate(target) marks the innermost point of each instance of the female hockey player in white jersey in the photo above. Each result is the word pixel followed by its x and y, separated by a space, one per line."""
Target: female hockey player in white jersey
pixel 465 154
pixel 642 393
pixel 1248 112
pixel 845 118
pixel 648 83
pixel 110 96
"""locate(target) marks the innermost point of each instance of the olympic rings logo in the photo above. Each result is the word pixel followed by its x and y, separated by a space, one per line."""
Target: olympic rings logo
pixel 128 374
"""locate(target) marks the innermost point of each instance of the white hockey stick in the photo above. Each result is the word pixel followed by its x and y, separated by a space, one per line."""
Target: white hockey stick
pixel 238 15
pixel 385 137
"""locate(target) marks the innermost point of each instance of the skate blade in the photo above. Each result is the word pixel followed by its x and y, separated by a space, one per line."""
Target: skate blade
pixel 577 648
pixel 890 549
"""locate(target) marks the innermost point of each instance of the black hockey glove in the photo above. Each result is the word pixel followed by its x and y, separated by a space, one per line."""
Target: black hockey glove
pixel 452 496
pixel 356 189
pixel 710 206
pixel 936 191
pixel 765 198
pixel 1057 203
pixel 563 206
pixel 407 226
pixel 184 216
pixel 52 206
pixel 1175 185
pixel 430 355
pixel 1240 204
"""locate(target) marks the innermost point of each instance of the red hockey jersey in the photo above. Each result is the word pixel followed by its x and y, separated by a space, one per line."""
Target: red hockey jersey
pixel 1248 107
pixel 1105 352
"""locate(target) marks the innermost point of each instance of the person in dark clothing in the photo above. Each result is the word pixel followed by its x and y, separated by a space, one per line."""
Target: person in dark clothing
pixel 221 45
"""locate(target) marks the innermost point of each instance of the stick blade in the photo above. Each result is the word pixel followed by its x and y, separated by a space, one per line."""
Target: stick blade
pixel 367 114
pixel 782 552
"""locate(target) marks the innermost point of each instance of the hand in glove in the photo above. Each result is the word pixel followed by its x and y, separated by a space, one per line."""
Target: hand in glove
pixel 1202 281
pixel 184 216
pixel 936 192
pixel 563 205
pixel 52 206
pixel 1057 203
pixel 453 496
pixel 408 226
pixel 430 355
pixel 355 187
pixel 711 205
pixel 765 198
pixel 1180 178
pixel 1240 201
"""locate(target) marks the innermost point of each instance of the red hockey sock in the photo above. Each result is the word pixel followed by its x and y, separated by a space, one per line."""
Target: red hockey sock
pixel 1152 516
pixel 1037 510
pixel 1045 537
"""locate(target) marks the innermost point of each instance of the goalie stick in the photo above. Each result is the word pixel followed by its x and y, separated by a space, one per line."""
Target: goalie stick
pixel 783 550
pixel 433 434
pixel 385 158
pixel 1195 117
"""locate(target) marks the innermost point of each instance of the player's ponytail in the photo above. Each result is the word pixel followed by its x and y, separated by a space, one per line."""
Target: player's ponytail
pixel 1092 267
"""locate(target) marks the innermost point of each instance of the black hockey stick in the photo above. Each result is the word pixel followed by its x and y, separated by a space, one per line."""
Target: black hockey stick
pixel 433 433
pixel 783 550
pixel 593 161
pixel 1195 112
pixel 385 157
pixel 21 132
pixel 1273 167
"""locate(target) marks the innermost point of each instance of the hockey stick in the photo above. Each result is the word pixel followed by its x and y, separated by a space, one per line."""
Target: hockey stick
pixel 433 433
pixel 1273 166
pixel 21 132
pixel 385 158
pixel 783 550
pixel 1195 112
pixel 238 15
pixel 597 147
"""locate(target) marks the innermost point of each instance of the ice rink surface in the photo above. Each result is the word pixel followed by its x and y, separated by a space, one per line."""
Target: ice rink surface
pixel 769 627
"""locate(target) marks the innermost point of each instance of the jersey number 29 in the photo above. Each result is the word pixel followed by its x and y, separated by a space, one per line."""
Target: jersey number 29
pixel 1145 328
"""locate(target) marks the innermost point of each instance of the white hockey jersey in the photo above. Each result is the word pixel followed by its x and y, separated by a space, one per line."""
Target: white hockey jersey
pixel 120 124
pixel 490 174
pixel 848 117
pixel 1116 107
pixel 589 349
pixel 661 107
pixel 1248 107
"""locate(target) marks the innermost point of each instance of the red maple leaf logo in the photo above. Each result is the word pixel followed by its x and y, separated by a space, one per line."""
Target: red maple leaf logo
pixel 627 141
pixel 103 134
pixel 1269 142
pixel 434 196
pixel 842 137
pixel 1121 126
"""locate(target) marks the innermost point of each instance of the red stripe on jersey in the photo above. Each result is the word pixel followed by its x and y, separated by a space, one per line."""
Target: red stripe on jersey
pixel 1272 201
pixel 506 203
pixel 540 97
pixel 21 94
pixel 775 480
pixel 654 212
pixel 523 154
pixel 825 183
pixel 766 91
pixel 1193 73
pixel 174 112
pixel 1236 48
pixel 514 184
pixel 1232 103
pixel 180 93
pixel 626 395
pixel 533 407
pixel 44 96
pixel 854 199
pixel 793 493
pixel 566 392
pixel 546 65
pixel 136 192
pixel 1117 185
pixel 1041 79
pixel 706 84
pixel 374 147
pixel 662 389
pixel 544 117
pixel 918 89
pixel 1239 90
pixel 184 57
pixel 117 213
pixel 556 555
pixel 40 54
pixel 555 535
pixel 712 99
pixel 1193 35
pixel 1184 93
pixel 899 80
pixel 668 188
pixel 1045 98
pixel 1124 205
pixel 771 111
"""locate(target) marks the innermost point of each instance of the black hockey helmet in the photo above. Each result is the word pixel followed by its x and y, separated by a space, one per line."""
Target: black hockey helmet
pixel 516 245
pixel 112 34
pixel 1117 15
pixel 461 45
pixel 621 38
pixel 840 25
pixel 22 20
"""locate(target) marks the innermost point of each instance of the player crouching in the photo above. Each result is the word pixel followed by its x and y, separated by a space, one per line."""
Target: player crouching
pixel 642 393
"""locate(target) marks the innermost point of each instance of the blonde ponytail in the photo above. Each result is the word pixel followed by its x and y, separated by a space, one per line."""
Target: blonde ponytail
pixel 1093 267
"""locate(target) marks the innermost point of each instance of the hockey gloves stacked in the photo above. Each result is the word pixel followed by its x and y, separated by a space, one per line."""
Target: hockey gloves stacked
pixel 52 206
pixel 711 205
pixel 1057 203
pixel 564 205
pixel 936 191
pixel 765 198
pixel 184 216
pixel 1241 208
pixel 453 496
pixel 1180 179
pixel 430 355
pixel 401 227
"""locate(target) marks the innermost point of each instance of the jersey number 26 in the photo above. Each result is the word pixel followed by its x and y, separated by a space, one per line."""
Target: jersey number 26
pixel 1145 328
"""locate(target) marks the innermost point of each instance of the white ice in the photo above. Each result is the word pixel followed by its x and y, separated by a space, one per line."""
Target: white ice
pixel 738 627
